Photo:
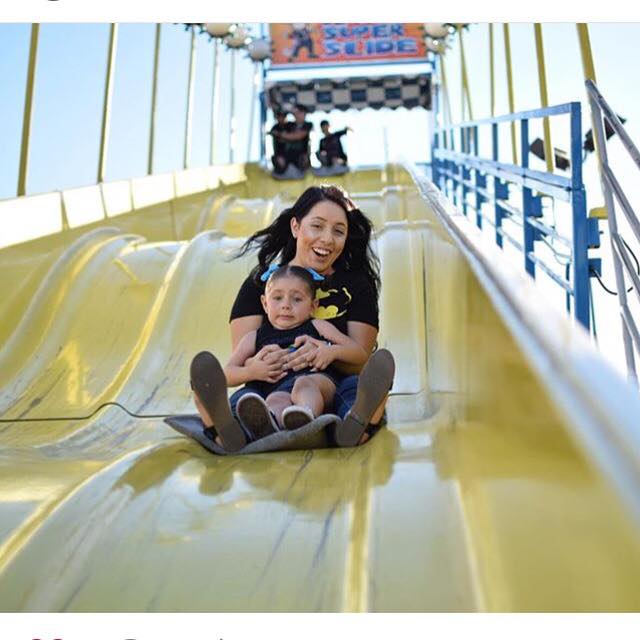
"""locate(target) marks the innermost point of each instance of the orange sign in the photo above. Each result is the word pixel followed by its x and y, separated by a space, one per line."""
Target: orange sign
pixel 315 43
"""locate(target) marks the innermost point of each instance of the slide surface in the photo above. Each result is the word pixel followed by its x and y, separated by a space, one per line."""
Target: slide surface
pixel 477 497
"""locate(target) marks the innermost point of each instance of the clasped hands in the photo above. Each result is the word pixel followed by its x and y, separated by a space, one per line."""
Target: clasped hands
pixel 272 363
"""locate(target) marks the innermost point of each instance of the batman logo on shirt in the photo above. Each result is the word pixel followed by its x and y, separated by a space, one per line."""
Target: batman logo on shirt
pixel 336 301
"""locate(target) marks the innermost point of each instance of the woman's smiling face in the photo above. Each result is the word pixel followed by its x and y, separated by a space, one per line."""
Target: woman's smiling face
pixel 320 236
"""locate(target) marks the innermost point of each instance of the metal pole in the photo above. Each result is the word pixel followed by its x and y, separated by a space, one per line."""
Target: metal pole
pixel 527 203
pixel 580 240
pixel 507 52
pixel 232 120
pixel 588 68
pixel 585 52
pixel 601 147
pixel 462 109
pixel 28 111
pixel 465 76
pixel 492 71
pixel 435 134
pixel 106 111
pixel 544 97
pixel 254 93
pixel 500 188
pixel 215 100
pixel 446 114
pixel 263 118
pixel 154 96
pixel 190 95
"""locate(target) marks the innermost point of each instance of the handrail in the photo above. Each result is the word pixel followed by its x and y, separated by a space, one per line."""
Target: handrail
pixel 612 191
pixel 556 110
pixel 614 121
pixel 467 171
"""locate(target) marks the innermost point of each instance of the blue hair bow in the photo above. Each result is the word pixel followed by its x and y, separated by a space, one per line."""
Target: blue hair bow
pixel 274 267
pixel 267 274
pixel 316 276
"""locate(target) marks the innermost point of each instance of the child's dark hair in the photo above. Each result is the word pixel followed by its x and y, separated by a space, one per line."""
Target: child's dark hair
pixel 297 272
pixel 323 122
pixel 275 242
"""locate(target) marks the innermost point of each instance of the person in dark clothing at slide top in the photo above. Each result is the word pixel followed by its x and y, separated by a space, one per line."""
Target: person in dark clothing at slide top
pixel 297 139
pixel 279 157
pixel 331 152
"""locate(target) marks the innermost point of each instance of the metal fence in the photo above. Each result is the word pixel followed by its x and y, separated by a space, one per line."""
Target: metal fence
pixel 460 171
pixel 613 192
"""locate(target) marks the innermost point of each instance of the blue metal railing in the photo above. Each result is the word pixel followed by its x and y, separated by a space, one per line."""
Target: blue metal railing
pixel 464 171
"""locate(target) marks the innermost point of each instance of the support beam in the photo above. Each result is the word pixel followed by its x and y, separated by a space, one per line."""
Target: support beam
pixel 28 111
pixel 106 108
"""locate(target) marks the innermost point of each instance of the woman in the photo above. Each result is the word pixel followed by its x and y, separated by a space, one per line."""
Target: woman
pixel 323 231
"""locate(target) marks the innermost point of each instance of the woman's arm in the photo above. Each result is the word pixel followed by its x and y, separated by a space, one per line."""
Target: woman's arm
pixel 364 335
pixel 294 135
pixel 344 348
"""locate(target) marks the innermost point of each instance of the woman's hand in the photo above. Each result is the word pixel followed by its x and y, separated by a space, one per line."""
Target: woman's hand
pixel 304 356
pixel 325 354
pixel 267 364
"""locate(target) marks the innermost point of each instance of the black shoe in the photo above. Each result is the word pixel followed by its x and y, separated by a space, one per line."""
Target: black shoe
pixel 210 385
pixel 253 413
pixel 374 383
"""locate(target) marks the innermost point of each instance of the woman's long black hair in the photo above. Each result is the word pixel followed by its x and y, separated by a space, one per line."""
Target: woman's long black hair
pixel 277 242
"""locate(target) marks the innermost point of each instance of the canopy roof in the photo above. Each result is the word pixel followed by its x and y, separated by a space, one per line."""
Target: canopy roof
pixel 327 94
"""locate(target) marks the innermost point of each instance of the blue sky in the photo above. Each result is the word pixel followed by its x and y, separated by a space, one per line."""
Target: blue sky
pixel 68 103
pixel 68 106
pixel 70 83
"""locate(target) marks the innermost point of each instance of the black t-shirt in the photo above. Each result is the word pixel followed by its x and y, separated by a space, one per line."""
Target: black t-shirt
pixel 344 296
pixel 279 145
pixel 302 145
pixel 332 144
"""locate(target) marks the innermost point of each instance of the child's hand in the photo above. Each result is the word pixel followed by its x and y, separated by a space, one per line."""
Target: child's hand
pixel 323 357
pixel 266 365
pixel 261 370
pixel 304 354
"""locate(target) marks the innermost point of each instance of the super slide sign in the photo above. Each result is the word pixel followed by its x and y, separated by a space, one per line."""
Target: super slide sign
pixel 314 43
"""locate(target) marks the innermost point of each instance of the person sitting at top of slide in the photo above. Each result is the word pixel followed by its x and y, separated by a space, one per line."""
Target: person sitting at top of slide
pixel 296 138
pixel 323 230
pixel 279 158
pixel 288 399
pixel 331 152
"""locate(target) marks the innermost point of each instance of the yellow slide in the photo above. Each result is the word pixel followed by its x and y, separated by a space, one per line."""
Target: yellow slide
pixel 508 478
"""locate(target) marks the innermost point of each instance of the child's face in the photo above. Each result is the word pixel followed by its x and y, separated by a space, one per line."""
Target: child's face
pixel 325 129
pixel 288 302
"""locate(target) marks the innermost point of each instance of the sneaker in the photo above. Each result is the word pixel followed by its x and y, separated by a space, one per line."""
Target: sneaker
pixel 374 383
pixel 295 417
pixel 210 385
pixel 255 416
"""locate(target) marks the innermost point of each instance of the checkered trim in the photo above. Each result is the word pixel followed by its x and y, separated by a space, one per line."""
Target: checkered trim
pixel 389 92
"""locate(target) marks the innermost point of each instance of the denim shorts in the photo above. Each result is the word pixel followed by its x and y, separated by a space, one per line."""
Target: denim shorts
pixel 343 400
pixel 286 387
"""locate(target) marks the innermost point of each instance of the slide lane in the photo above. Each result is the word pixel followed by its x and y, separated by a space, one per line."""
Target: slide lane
pixel 475 498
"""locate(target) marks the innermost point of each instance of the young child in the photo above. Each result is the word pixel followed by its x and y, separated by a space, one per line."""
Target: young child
pixel 291 398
